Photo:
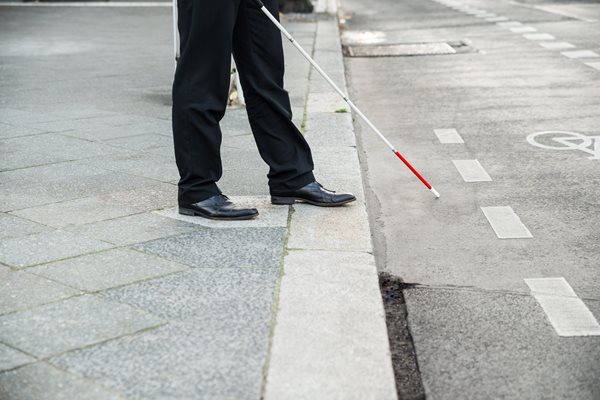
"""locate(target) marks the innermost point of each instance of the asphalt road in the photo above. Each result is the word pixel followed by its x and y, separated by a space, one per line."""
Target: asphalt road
pixel 478 330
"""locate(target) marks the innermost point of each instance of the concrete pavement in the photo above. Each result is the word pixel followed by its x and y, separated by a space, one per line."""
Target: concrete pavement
pixel 478 331
pixel 106 292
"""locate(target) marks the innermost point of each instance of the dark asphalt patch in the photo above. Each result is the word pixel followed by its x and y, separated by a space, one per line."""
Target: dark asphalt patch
pixel 404 358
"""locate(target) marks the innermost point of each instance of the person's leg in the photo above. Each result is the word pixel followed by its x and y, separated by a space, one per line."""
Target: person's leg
pixel 200 91
pixel 258 53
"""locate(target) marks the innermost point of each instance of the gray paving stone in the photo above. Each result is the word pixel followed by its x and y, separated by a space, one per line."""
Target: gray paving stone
pixel 14 157
pixel 125 119
pixel 337 161
pixel 342 228
pixel 326 129
pixel 269 215
pixel 330 331
pixel 99 271
pixel 46 246
pixel 71 324
pixel 178 361
pixel 21 290
pixel 11 358
pixel 60 171
pixel 222 248
pixel 8 131
pixel 134 228
pixel 153 166
pixel 15 226
pixel 150 196
pixel 102 133
pixel 43 381
pixel 23 117
pixel 210 296
pixel 76 212
pixel 245 182
pixel 67 124
pixel 141 142
pixel 61 146
pixel 16 196
pixel 76 112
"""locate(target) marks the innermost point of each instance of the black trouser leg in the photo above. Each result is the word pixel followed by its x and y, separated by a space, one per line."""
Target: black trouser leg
pixel 200 91
pixel 258 53
pixel 208 30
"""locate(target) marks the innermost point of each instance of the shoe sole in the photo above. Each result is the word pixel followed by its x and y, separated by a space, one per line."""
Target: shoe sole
pixel 190 212
pixel 292 200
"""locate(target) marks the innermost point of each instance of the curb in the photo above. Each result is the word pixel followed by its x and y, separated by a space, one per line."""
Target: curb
pixel 330 337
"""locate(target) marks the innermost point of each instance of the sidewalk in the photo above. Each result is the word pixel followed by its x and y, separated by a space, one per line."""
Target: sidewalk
pixel 107 293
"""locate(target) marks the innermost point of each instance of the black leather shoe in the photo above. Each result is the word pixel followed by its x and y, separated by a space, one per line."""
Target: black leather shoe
pixel 313 193
pixel 218 207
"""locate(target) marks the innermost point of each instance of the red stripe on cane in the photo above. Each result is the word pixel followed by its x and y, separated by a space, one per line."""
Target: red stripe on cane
pixel 413 169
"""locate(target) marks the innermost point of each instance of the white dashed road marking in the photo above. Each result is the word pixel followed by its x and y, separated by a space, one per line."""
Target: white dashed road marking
pixel 557 45
pixel 472 171
pixel 580 54
pixel 523 29
pixel 567 313
pixel 509 24
pixel 506 223
pixel 496 19
pixel 595 65
pixel 448 136
pixel 538 36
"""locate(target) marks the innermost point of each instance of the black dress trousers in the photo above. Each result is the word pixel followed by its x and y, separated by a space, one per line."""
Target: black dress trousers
pixel 210 31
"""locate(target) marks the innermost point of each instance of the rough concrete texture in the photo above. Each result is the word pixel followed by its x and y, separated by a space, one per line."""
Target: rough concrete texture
pixel 330 339
pixel 180 308
pixel 478 333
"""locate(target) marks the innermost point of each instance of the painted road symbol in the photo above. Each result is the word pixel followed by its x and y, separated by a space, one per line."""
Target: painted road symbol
pixel 561 140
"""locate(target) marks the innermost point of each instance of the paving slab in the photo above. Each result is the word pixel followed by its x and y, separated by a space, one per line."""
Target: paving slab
pixel 71 324
pixel 323 129
pixel 178 361
pixel 46 246
pixel 330 340
pixel 21 290
pixel 135 228
pixel 8 131
pixel 222 248
pixel 344 228
pixel 75 212
pixel 17 196
pixel 147 196
pixel 11 225
pixel 11 358
pixel 143 164
pixel 43 381
pixel 103 270
pixel 141 142
pixel 209 296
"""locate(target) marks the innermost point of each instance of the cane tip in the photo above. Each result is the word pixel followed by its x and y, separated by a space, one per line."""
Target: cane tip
pixel 435 193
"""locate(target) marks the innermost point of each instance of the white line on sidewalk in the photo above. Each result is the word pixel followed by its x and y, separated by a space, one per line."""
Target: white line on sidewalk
pixel 506 223
pixel 538 36
pixel 523 29
pixel 567 313
pixel 595 65
pixel 90 4
pixel 472 171
pixel 580 54
pixel 557 45
pixel 448 136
